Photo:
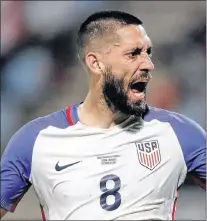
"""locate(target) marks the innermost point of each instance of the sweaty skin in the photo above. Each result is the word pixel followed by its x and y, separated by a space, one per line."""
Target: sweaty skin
pixel 117 56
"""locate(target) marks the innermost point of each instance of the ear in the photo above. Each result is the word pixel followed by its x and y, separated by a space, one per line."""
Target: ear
pixel 93 63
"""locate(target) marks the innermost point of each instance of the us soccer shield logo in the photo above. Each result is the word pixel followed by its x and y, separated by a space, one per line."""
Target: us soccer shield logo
pixel 149 153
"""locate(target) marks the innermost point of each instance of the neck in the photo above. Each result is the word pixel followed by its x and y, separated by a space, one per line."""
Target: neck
pixel 95 112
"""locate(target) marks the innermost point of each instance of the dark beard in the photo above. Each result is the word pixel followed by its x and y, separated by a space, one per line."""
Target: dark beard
pixel 116 97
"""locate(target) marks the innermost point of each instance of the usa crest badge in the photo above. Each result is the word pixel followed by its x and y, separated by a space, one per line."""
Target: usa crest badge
pixel 149 153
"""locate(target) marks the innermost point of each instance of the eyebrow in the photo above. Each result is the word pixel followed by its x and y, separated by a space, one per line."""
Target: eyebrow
pixel 137 49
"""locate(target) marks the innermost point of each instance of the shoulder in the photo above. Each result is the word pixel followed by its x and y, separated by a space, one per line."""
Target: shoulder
pixel 56 119
pixel 22 142
pixel 179 122
pixel 191 137
pixel 17 158
pixel 189 133
pixel 32 128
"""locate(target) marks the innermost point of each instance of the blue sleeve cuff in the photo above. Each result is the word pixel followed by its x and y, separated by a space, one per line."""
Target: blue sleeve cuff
pixel 6 206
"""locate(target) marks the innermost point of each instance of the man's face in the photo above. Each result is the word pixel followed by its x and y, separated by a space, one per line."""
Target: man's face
pixel 127 71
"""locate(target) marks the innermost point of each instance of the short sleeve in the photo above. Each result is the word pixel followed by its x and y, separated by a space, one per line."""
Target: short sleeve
pixel 16 167
pixel 16 161
pixel 192 139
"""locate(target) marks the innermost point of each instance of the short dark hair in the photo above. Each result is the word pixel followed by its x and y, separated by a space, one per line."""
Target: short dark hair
pixel 101 23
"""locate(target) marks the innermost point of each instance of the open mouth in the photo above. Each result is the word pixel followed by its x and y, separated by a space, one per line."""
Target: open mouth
pixel 139 87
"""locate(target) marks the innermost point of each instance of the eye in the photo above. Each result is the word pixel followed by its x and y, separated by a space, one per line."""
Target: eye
pixel 149 51
pixel 134 53
pixel 131 55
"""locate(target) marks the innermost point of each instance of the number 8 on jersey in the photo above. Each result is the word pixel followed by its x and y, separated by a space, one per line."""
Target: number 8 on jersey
pixel 108 192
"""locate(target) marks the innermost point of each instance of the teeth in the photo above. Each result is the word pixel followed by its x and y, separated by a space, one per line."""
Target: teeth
pixel 141 94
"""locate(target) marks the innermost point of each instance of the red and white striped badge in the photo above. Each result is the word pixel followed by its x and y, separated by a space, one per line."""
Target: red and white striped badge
pixel 149 153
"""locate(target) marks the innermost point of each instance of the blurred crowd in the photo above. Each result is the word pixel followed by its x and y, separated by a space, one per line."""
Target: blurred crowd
pixel 41 73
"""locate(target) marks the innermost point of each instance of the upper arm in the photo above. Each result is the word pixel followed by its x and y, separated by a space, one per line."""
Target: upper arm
pixel 16 167
pixel 17 158
pixel 192 139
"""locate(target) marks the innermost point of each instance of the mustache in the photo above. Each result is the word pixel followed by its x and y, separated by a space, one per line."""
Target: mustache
pixel 145 76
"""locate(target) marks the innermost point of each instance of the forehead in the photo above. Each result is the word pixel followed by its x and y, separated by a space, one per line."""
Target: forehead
pixel 133 36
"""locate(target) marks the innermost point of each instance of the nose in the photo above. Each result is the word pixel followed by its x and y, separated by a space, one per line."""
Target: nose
pixel 146 63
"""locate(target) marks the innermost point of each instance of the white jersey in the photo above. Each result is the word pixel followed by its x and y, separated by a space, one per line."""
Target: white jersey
pixel 84 173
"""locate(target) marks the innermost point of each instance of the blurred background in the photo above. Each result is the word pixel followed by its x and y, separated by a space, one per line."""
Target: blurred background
pixel 40 72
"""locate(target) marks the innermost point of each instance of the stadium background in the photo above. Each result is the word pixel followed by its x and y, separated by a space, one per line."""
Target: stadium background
pixel 41 73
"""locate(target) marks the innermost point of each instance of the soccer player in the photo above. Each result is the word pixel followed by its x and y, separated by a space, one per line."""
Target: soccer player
pixel 111 156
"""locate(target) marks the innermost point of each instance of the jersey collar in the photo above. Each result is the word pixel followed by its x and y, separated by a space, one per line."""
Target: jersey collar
pixel 71 114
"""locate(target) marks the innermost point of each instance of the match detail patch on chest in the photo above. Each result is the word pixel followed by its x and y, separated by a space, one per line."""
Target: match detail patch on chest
pixel 148 153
